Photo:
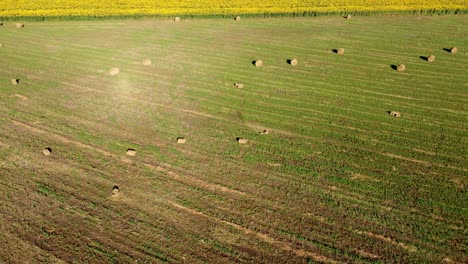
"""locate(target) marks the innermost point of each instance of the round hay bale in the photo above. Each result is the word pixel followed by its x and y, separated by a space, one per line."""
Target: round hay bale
pixel 181 140
pixel 401 67
pixel 49 230
pixel 1 45
pixel 431 58
pixel 348 16
pixel 239 85
pixel 15 81
pixel 453 50
pixel 258 63
pixel 340 51
pixel 293 62
pixel 19 25
pixel 131 152
pixel 114 71
pixel 47 151
pixel 242 140
pixel 176 19
pixel 237 18
pixel 395 114
pixel 115 191
pixel 147 62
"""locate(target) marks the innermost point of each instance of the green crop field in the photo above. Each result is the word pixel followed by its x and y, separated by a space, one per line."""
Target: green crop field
pixel 335 179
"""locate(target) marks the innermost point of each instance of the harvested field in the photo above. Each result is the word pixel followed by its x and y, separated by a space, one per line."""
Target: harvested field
pixel 337 179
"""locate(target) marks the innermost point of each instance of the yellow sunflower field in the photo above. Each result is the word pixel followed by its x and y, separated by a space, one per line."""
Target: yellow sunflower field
pixel 97 8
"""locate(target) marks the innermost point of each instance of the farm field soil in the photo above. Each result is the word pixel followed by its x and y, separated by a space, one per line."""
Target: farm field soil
pixel 336 179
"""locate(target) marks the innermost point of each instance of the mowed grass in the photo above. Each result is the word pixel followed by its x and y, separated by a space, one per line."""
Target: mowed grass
pixel 336 179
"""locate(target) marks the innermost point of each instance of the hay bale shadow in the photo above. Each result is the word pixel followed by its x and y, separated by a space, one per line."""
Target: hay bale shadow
pixel 449 50
pixel 335 50
pixel 393 66
pixel 426 58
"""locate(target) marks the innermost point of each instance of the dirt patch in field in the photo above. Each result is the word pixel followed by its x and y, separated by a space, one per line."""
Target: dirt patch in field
pixel 22 97
pixel 265 238
pixel 388 239
pixel 193 181
pixel 66 140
